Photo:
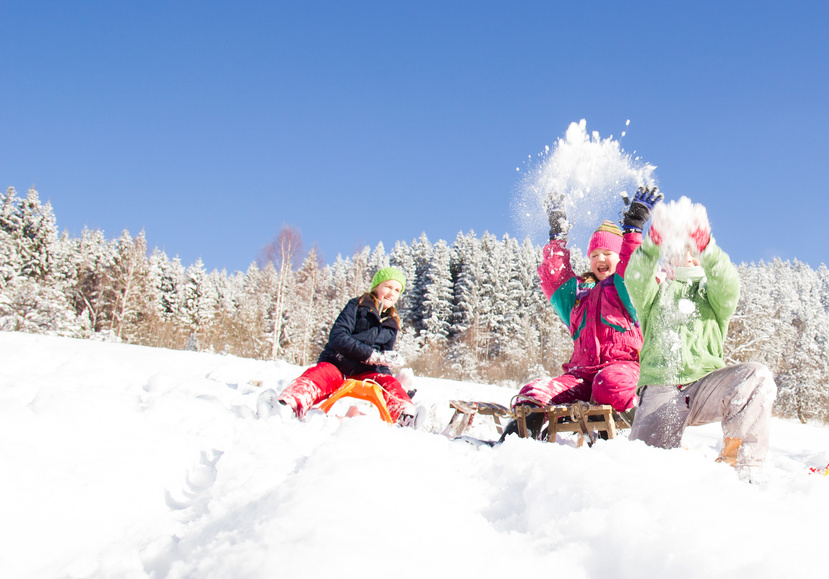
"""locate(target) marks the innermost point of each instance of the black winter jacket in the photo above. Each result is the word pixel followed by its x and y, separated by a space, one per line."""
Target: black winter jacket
pixel 356 333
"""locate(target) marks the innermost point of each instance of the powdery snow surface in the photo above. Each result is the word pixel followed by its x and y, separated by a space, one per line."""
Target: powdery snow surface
pixel 127 461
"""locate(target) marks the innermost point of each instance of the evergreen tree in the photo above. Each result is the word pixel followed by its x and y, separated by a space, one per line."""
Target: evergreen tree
pixel 129 284
pixel 33 297
pixel 91 257
pixel 36 237
pixel 166 282
pixel 467 272
pixel 401 258
pixel 378 260
pixel 252 338
pixel 437 297
pixel 197 302
pixel 412 310
pixel 304 331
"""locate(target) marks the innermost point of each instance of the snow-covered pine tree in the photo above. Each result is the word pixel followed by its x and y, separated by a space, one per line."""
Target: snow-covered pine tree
pixel 378 260
pixel 754 327
pixel 467 271
pixel 167 282
pixel 437 305
pixel 493 294
pixel 34 296
pixel 341 289
pixel 421 256
pixel 802 377
pixel 91 258
pixel 401 258
pixel 361 272
pixel 251 337
pixel 10 262
pixel 227 290
pixel 129 282
pixel 304 304
pixel 197 303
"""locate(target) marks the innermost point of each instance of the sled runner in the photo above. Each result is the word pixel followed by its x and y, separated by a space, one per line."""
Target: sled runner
pixel 367 390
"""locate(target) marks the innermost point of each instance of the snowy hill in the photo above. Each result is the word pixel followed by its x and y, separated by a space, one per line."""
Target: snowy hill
pixel 127 461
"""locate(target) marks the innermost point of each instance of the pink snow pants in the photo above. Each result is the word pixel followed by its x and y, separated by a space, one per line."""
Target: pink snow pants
pixel 319 382
pixel 614 384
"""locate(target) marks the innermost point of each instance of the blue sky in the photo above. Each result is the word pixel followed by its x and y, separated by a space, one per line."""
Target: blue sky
pixel 210 125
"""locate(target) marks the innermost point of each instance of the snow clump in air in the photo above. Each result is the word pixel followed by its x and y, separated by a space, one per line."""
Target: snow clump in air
pixel 675 221
pixel 592 173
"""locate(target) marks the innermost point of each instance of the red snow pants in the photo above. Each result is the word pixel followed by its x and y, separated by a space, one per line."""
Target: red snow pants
pixel 613 384
pixel 319 382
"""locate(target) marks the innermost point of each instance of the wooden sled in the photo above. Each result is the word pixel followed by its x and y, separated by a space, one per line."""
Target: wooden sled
pixel 465 412
pixel 367 390
pixel 581 418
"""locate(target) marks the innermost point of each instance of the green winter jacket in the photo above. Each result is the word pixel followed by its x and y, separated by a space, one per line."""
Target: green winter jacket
pixel 684 323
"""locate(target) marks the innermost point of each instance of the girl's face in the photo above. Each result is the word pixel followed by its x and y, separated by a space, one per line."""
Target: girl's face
pixel 603 262
pixel 387 293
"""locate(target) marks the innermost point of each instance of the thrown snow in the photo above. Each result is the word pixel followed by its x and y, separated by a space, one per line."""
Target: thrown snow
pixel 676 221
pixel 132 462
pixel 592 173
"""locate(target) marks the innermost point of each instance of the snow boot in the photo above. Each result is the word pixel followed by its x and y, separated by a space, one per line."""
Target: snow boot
pixel 628 415
pixel 730 451
pixel 533 421
pixel 415 419
pixel 268 404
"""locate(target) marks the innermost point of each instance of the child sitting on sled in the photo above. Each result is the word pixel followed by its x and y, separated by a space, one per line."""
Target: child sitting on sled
pixel 604 367
pixel 360 347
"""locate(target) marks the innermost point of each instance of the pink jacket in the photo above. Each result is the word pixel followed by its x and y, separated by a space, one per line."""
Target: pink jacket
pixel 600 317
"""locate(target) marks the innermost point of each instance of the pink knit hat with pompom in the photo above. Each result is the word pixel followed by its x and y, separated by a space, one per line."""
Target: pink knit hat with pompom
pixel 607 236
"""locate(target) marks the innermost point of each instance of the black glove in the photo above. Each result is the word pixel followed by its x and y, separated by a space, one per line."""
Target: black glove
pixel 554 206
pixel 640 210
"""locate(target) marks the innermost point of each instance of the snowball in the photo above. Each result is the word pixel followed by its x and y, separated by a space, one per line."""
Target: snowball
pixel 686 306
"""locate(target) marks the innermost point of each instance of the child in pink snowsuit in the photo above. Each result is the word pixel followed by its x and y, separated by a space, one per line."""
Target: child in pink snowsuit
pixel 596 308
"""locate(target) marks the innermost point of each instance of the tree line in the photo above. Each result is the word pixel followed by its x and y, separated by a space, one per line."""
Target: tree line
pixel 472 309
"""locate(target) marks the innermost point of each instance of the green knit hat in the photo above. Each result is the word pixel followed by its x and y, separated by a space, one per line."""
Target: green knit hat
pixel 386 274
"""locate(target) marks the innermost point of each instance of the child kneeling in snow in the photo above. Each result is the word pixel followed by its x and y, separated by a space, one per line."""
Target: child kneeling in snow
pixel 685 313
pixel 604 367
pixel 360 347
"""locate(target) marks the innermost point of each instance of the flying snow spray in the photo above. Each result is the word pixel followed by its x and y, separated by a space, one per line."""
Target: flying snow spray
pixel 593 174
pixel 675 221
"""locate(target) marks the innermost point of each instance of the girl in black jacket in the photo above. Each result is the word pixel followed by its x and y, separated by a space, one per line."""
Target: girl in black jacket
pixel 360 346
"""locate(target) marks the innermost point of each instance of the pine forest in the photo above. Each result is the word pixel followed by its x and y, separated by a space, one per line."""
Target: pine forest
pixel 472 310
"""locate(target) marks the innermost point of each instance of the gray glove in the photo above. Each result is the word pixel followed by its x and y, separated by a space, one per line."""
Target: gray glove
pixel 554 206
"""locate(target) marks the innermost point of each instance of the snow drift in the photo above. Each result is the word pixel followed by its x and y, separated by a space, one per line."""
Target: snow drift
pixel 128 461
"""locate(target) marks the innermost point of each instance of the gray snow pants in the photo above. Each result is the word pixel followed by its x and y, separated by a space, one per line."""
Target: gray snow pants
pixel 740 397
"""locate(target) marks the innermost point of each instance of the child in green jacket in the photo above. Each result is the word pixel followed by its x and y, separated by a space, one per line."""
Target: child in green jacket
pixel 684 313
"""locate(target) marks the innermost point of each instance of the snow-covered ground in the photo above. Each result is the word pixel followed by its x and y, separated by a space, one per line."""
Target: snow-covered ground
pixel 126 461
